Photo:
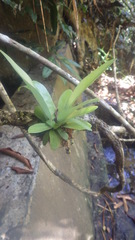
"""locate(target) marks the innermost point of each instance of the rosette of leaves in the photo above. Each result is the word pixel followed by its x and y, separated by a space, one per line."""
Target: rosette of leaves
pixel 53 121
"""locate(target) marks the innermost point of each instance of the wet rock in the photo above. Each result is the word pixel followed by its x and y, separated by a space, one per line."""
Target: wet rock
pixel 15 189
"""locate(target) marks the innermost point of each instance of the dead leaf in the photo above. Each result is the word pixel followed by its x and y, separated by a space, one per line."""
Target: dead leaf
pixel 108 230
pixel 125 205
pixel 125 198
pixel 22 170
pixel 95 147
pixel 118 205
pixel 17 155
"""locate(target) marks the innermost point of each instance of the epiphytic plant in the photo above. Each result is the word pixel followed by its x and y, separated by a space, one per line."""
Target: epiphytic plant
pixel 54 121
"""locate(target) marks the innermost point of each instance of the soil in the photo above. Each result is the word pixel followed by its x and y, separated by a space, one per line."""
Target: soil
pixel 105 88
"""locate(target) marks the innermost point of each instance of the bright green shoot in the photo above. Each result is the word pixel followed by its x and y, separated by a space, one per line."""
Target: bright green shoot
pixel 54 122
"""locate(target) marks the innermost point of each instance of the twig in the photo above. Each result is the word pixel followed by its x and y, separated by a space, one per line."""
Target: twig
pixel 103 223
pixel 115 74
pixel 103 207
pixel 38 150
pixel 56 171
pixel 68 77
pixel 127 140
pixel 118 129
pixel 103 235
pixel 34 10
pixel 112 218
pixel 76 15
pixel 43 20
pixel 6 99
pixel 95 4
pixel 16 119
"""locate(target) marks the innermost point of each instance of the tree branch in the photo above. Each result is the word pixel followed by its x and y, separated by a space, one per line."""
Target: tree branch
pixel 100 125
pixel 117 147
pixel 38 150
pixel 67 76
pixel 115 74
pixel 6 99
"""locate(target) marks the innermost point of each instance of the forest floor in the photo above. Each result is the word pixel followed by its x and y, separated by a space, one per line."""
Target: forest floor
pixel 105 88
pixel 120 205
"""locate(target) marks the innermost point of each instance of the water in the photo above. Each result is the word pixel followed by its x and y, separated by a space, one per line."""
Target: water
pixel 129 167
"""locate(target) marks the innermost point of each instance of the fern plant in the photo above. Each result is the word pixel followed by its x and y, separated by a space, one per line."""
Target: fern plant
pixel 54 121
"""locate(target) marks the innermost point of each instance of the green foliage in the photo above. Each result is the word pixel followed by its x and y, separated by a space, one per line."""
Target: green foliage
pixel 103 57
pixel 83 6
pixel 17 7
pixel 55 139
pixel 87 81
pixel 54 121
pixel 67 29
pixel 33 15
pixel 50 5
pixel 47 71
pixel 58 58
pixel 12 4
pixel 53 15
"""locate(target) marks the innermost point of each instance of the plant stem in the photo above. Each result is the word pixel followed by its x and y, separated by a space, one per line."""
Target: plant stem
pixel 38 150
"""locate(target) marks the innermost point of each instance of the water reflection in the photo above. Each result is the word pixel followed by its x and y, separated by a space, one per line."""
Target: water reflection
pixel 109 154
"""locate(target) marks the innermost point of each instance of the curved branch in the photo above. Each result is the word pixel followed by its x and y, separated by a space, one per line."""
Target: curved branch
pixel 56 171
pixel 17 116
pixel 67 76
pixel 6 99
pixel 115 74
pixel 118 149
pixel 25 117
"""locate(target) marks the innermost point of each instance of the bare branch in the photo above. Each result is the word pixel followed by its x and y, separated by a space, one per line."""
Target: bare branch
pixel 6 99
pixel 38 150
pixel 127 140
pixel 56 171
pixel 100 125
pixel 115 74
pixel 44 25
pixel 67 76
pixel 118 149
